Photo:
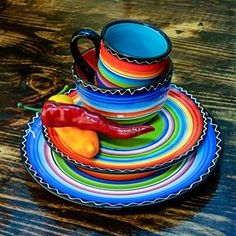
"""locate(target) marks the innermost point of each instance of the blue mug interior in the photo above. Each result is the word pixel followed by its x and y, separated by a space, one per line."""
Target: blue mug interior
pixel 136 40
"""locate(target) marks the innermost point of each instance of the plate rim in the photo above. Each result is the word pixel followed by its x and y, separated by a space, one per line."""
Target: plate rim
pixel 104 205
pixel 143 169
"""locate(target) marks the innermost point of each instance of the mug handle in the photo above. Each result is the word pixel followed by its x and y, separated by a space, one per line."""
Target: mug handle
pixel 77 55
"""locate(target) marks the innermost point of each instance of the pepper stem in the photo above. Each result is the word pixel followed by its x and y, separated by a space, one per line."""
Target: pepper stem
pixel 64 89
pixel 21 105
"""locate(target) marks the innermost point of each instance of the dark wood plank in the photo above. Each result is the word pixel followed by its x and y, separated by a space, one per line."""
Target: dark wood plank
pixel 35 63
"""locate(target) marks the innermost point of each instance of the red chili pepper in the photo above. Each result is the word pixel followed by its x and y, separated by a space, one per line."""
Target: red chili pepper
pixel 61 115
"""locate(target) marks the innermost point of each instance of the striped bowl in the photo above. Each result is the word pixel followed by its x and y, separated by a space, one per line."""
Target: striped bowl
pixel 126 105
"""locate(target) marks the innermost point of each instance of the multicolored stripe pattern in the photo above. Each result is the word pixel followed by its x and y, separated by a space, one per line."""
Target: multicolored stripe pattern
pixel 179 129
pixel 73 184
pixel 126 109
pixel 126 105
pixel 115 73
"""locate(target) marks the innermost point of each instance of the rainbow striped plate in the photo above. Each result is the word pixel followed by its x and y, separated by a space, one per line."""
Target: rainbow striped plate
pixel 71 183
pixel 180 127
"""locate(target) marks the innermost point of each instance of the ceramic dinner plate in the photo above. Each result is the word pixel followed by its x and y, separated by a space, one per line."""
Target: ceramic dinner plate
pixel 71 183
pixel 180 127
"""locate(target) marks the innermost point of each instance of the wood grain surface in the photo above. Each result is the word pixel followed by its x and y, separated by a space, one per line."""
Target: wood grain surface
pixel 35 63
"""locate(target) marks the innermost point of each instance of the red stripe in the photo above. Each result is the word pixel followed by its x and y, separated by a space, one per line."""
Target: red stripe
pixel 132 68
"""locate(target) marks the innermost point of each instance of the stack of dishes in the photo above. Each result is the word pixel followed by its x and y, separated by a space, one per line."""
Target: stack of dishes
pixel 182 151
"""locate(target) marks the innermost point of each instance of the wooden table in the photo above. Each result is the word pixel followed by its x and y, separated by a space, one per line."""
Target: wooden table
pixel 35 63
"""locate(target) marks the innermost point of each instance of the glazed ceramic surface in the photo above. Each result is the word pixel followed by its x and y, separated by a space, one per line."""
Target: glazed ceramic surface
pixel 179 129
pixel 130 53
pixel 116 73
pixel 127 106
pixel 66 181
pixel 136 40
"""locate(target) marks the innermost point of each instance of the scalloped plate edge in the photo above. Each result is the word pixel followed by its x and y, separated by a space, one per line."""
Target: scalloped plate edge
pixel 66 196
pixel 155 167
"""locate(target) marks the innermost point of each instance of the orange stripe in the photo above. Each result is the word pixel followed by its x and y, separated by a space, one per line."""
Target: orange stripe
pixel 130 73
pixel 116 176
pixel 132 68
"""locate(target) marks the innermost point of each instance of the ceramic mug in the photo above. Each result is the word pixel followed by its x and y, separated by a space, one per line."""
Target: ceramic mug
pixel 130 54
pixel 125 105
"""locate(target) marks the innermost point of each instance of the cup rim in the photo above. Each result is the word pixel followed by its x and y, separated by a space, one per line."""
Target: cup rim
pixel 122 91
pixel 129 58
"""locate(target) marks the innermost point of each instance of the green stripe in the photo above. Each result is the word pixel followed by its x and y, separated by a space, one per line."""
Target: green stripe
pixel 170 140
pixel 139 141
pixel 107 77
pixel 140 120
